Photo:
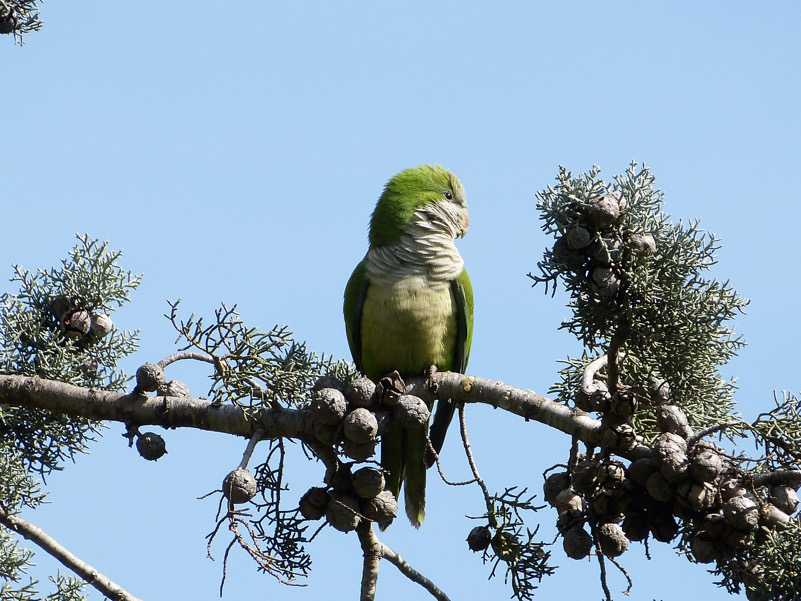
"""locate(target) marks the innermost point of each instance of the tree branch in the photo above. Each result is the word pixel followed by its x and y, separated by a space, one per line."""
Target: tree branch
pixel 89 574
pixel 169 412
pixel 177 412
pixel 374 551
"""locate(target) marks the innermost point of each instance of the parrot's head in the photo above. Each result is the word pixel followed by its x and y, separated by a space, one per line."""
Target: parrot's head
pixel 429 196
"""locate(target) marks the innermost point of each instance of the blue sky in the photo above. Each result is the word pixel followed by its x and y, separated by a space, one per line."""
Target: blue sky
pixel 235 153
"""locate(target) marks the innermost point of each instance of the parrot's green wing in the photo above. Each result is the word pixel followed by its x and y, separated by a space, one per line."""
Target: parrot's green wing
pixel 355 292
pixel 463 294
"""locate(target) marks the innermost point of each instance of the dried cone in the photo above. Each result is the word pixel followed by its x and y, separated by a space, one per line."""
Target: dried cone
pixel 784 498
pixel 703 548
pixel 671 418
pixel 611 474
pixel 604 210
pixel 636 527
pixel 329 382
pixel 360 426
pixel 314 503
pixel 578 237
pixel 101 325
pixel 368 482
pixel 479 538
pixel 343 512
pixel 706 464
pixel 329 406
pixel 411 412
pixel 660 487
pixel 605 506
pixel 76 324
pixel 555 483
pixel 568 499
pixel 641 244
pixel 583 478
pixel 382 508
pixel 359 452
pixel 173 388
pixel 612 539
pixel 149 377
pixel 570 519
pixel 577 543
pixel 151 446
pixel 360 392
pixel 742 512
pixel 324 433
pixel 639 471
pixel 239 486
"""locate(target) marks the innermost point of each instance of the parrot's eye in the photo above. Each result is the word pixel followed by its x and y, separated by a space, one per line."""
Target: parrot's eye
pixel 448 195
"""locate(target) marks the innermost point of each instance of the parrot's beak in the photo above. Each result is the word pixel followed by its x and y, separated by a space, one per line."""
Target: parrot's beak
pixel 465 223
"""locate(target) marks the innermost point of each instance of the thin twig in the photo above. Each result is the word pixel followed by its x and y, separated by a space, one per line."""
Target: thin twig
pixel 183 355
pixel 439 468
pixel 474 468
pixel 88 573
pixel 258 435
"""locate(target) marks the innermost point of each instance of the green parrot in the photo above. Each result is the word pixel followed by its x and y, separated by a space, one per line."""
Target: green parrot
pixel 409 306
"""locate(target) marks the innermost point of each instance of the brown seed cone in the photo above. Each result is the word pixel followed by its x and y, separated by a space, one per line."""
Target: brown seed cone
pixel 612 539
pixel 577 543
pixel 555 483
pixel 568 499
pixel 660 488
pixel 359 393
pixel 343 512
pixel 360 426
pixel 742 512
pixel 570 519
pixel 704 548
pixel 611 474
pixel 239 486
pixel 151 446
pixel 636 526
pixel 368 482
pixel 173 388
pixel 314 502
pixel 329 406
pixel 359 452
pixel 329 382
pixel 706 463
pixel 411 412
pixel 605 506
pixel 671 418
pixel 639 471
pixel 785 498
pixel 479 538
pixel 664 527
pixel 604 210
pixel 583 477
pixel 382 508
pixel 149 377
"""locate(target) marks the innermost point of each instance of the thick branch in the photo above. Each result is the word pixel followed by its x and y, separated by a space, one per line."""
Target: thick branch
pixel 525 403
pixel 169 412
pixel 38 536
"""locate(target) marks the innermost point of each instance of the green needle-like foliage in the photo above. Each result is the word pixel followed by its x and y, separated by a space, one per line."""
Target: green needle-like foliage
pixel 661 315
pixel 254 368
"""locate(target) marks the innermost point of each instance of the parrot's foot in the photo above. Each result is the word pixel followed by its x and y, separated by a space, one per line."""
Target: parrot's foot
pixel 430 383
pixel 391 388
